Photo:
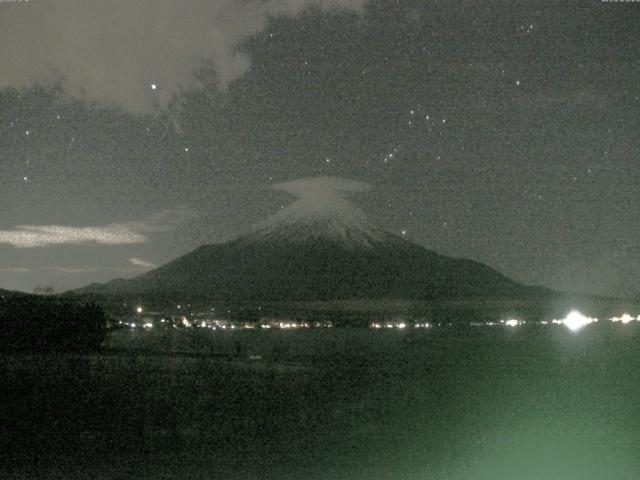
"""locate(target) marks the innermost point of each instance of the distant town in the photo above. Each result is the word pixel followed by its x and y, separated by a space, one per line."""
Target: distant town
pixel 139 318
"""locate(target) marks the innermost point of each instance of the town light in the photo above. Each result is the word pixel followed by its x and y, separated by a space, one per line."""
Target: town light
pixel 574 321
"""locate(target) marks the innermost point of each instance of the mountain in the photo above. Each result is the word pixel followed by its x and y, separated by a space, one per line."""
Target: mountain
pixel 321 247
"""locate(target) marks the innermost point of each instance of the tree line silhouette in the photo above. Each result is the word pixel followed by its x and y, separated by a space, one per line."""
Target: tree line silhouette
pixel 38 323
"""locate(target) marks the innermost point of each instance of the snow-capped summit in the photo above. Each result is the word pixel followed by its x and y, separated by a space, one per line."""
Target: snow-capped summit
pixel 321 212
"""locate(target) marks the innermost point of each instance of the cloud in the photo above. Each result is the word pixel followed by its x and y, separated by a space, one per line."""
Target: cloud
pixel 142 263
pixel 114 50
pixel 81 270
pixel 14 270
pixel 163 221
pixel 32 236
pixel 318 197
pixel 66 270
pixel 323 187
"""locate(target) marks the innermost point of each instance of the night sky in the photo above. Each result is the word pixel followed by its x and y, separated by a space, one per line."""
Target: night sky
pixel 504 132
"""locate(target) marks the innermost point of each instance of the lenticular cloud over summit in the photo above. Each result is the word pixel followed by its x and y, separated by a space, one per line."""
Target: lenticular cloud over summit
pixel 321 187
pixel 320 196
pixel 322 210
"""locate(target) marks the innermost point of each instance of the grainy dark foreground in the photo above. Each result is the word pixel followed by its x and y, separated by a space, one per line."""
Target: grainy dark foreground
pixel 341 404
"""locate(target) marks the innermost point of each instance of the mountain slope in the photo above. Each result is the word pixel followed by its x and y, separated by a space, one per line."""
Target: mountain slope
pixel 321 247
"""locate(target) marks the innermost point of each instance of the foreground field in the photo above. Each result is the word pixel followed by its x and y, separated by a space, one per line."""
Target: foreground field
pixel 492 404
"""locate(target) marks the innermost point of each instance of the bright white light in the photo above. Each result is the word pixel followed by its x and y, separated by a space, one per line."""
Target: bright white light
pixel 402 325
pixel 148 325
pixel 153 86
pixel 139 309
pixel 512 323
pixel 625 318
pixel 133 325
pixel 574 321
